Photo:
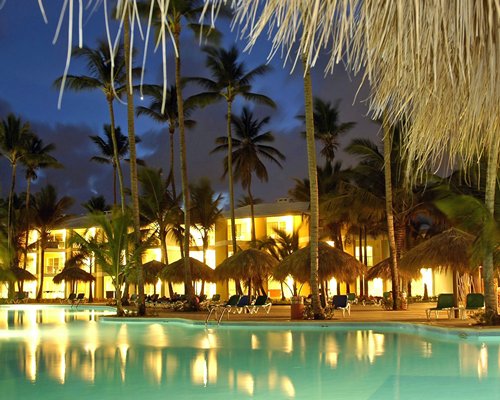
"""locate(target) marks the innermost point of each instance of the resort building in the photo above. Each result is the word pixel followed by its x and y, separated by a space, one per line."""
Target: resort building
pixel 284 215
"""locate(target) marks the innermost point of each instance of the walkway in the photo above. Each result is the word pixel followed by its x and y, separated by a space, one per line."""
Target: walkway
pixel 359 313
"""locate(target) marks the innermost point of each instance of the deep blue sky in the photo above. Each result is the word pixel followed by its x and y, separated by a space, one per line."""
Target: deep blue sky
pixel 30 63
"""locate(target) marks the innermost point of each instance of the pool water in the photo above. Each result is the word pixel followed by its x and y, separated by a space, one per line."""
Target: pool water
pixel 57 353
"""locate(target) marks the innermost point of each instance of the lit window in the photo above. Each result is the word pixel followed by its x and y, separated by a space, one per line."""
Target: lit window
pixel 54 265
pixel 369 255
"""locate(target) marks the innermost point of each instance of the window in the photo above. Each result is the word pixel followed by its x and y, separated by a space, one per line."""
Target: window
pixel 56 240
pixel 54 265
pixel 369 255
pixel 284 223
pixel 243 229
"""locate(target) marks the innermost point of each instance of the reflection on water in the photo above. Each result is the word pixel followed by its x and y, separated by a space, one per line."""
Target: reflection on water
pixel 58 352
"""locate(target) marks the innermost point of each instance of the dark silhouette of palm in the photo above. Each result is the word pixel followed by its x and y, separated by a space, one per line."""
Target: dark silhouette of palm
pixel 169 116
pixel 49 212
pixel 327 127
pixel 230 80
pixel 105 146
pixel 14 139
pixel 250 148
pixel 108 77
pixel 37 156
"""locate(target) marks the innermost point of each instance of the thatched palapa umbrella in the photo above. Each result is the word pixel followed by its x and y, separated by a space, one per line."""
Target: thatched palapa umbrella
pixel 451 249
pixel 199 271
pixel 73 274
pixel 16 274
pixel 152 271
pixel 383 270
pixel 246 264
pixel 333 263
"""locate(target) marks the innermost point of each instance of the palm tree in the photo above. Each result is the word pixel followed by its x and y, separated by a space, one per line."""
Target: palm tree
pixel 106 147
pixel 313 190
pixel 230 80
pixel 327 128
pixel 14 139
pixel 159 207
pixel 49 212
pixel 168 116
pixel 249 147
pixel 96 204
pixel 108 77
pixel 245 201
pixel 37 156
pixel 113 252
pixel 380 182
pixel 188 11
pixel 281 245
pixel 205 212
pixel 332 181
pixel 134 181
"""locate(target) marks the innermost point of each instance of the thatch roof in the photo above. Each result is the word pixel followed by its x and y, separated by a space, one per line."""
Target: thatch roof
pixel 151 271
pixel 383 270
pixel 332 263
pixel 415 55
pixel 73 274
pixel 199 271
pixel 16 274
pixel 450 249
pixel 246 264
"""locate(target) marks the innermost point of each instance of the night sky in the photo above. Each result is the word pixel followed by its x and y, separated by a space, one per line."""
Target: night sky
pixel 30 63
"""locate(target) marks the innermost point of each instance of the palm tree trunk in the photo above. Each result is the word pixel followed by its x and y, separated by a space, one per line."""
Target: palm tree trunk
pixel 252 215
pixel 390 214
pixel 27 234
pixel 313 189
pixel 116 157
pixel 42 268
pixel 164 258
pixel 9 208
pixel 188 285
pixel 114 183
pixel 171 176
pixel 400 238
pixel 134 185
pixel 490 287
pixel 230 176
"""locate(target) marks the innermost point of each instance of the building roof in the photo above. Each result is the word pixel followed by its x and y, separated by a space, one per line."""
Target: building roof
pixel 272 209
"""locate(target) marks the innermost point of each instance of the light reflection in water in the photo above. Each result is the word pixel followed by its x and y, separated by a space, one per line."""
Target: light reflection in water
pixel 171 358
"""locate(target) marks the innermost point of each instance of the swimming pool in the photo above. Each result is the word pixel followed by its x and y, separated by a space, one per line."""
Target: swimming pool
pixel 57 353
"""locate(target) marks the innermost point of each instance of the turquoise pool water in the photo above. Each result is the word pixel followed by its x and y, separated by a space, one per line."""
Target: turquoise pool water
pixel 57 353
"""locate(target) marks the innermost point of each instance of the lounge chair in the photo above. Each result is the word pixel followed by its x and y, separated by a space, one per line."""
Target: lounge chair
pixel 80 298
pixel 444 303
pixel 473 302
pixel 241 306
pixel 340 302
pixel 351 298
pixel 215 308
pixel 260 302
pixel 70 300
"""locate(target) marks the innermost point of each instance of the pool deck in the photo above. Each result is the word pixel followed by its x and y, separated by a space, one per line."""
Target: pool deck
pixel 359 313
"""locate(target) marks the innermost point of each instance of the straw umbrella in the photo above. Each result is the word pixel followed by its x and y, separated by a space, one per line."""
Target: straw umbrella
pixel 251 265
pixel 451 249
pixel 333 263
pixel 383 270
pixel 16 274
pixel 199 271
pixel 73 274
